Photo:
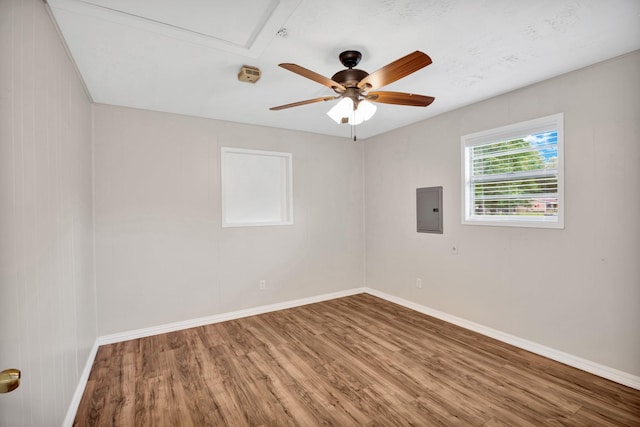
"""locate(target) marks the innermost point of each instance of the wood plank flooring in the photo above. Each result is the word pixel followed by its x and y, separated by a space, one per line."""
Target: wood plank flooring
pixel 354 361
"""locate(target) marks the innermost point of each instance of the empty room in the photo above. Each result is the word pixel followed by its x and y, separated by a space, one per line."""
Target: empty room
pixel 346 213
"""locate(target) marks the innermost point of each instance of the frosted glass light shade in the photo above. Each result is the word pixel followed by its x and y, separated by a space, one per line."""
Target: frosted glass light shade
pixel 366 110
pixel 343 112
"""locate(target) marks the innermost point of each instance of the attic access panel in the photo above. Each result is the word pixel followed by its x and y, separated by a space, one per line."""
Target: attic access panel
pixel 200 22
pixel 429 210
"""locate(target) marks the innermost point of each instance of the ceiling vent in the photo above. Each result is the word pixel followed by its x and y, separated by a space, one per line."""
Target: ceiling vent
pixel 249 74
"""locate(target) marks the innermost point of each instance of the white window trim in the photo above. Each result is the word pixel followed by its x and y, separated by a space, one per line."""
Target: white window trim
pixel 287 194
pixel 513 131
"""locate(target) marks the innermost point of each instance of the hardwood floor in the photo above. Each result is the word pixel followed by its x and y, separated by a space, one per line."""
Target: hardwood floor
pixel 357 360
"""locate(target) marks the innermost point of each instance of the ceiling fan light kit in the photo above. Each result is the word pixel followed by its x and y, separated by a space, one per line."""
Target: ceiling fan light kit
pixel 345 111
pixel 357 87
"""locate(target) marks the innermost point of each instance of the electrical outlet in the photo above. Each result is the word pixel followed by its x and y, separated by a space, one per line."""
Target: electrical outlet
pixel 419 283
pixel 454 249
pixel 263 285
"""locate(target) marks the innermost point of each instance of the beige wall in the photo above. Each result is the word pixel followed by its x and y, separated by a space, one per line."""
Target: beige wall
pixel 47 292
pixel 586 299
pixel 162 255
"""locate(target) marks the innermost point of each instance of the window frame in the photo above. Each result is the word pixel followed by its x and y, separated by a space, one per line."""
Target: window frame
pixel 514 131
pixel 285 189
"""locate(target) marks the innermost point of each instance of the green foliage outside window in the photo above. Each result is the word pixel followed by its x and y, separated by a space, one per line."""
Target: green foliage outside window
pixel 516 177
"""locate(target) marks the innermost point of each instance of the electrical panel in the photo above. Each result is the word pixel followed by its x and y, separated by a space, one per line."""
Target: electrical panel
pixel 429 209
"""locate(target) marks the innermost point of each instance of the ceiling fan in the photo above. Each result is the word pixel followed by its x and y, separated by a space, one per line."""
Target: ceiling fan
pixel 355 87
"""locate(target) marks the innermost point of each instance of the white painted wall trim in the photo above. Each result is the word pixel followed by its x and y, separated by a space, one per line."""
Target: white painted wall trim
pixel 559 356
pixel 553 354
pixel 177 326
pixel 82 384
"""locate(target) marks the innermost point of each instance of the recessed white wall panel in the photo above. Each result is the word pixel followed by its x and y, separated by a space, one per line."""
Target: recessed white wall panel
pixel 256 187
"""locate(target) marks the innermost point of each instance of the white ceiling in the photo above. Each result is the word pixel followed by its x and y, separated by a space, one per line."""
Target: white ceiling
pixel 183 56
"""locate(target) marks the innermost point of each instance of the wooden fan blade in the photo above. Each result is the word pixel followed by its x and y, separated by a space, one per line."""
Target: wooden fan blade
pixel 308 101
pixel 400 98
pixel 313 76
pixel 395 71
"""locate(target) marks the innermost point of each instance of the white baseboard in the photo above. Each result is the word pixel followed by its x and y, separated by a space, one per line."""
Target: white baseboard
pixel 186 324
pixel 82 384
pixel 171 327
pixel 615 375
pixel 559 356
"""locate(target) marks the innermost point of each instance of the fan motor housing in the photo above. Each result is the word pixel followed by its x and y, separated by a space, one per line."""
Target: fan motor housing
pixel 349 77
pixel 249 74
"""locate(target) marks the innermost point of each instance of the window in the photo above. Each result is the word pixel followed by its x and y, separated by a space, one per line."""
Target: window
pixel 256 188
pixel 513 175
